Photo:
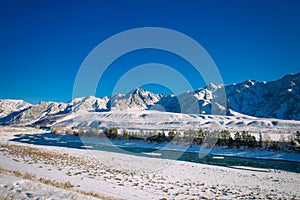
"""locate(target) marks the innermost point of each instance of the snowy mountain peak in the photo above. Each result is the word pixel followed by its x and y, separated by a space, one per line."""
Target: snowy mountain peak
pixel 274 99
pixel 137 99
pixel 213 86
pixel 88 104
pixel 138 91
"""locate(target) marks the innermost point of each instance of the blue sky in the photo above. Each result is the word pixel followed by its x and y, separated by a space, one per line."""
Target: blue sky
pixel 43 43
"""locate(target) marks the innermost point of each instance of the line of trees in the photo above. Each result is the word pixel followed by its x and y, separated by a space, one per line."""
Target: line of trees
pixel 192 137
pixel 223 138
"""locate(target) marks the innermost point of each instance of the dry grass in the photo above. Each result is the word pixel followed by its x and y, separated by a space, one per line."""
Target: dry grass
pixel 89 193
pixel 58 160
pixel 17 174
pixel 29 176
pixel 8 196
pixel 2 170
pixel 96 195
pixel 66 185
pixel 52 158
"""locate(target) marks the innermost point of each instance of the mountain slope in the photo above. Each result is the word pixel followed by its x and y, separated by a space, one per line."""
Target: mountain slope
pixel 8 106
pixel 88 104
pixel 274 99
pixel 208 100
pixel 33 113
pixel 156 120
pixel 137 99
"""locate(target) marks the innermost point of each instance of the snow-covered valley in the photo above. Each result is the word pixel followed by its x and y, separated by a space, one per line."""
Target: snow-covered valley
pixel 34 161
pixel 111 175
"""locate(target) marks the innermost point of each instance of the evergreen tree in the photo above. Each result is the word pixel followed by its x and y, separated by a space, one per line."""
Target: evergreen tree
pixel 260 139
pixel 171 135
pixel 125 134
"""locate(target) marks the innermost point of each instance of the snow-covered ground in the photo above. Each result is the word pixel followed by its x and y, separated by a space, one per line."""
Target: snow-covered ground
pixel 13 187
pixel 155 120
pixel 131 177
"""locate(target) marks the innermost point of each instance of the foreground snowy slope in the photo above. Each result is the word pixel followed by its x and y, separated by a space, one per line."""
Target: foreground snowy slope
pixel 125 176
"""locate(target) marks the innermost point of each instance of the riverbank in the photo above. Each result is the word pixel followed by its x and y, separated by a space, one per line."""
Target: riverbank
pixel 132 177
pixel 137 146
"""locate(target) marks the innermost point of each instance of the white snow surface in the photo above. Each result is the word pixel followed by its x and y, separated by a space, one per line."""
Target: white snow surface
pixel 156 120
pixel 132 177
pixel 12 187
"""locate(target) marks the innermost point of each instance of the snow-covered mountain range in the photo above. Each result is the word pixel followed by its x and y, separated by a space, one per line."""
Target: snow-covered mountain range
pixel 275 99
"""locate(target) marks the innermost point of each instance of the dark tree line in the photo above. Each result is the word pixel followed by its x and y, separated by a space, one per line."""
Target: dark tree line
pixel 192 137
